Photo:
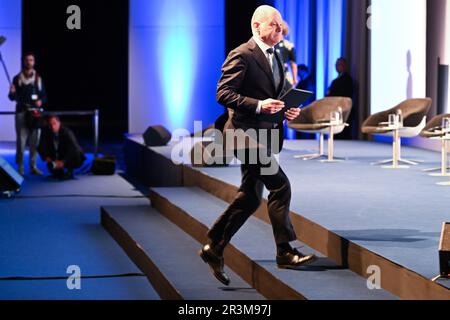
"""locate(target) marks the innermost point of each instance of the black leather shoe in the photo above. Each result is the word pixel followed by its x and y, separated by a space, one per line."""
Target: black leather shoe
pixel 215 263
pixel 294 259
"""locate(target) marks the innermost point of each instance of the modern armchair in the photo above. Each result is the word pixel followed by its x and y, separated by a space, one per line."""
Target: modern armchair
pixel 414 113
pixel 316 118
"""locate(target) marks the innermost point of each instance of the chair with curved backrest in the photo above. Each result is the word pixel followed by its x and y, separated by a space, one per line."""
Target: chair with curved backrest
pixel 414 114
pixel 433 130
pixel 315 118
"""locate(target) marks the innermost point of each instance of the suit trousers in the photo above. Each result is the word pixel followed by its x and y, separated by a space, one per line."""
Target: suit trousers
pixel 248 200
pixel 24 134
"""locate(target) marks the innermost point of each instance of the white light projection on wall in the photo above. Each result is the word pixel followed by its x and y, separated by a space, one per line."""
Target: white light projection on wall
pixel 398 52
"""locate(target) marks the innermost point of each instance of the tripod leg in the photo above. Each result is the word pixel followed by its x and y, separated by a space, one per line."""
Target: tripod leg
pixel 5 68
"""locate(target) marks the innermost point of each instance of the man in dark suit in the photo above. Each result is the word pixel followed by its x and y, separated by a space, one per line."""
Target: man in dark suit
pixel 252 79
pixel 60 150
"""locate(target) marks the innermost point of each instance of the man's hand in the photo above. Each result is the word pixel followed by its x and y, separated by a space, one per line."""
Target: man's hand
pixel 59 164
pixel 12 90
pixel 292 114
pixel 38 103
pixel 271 106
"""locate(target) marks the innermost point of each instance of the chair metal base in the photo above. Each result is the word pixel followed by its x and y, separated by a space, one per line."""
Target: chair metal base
pixel 411 162
pixel 335 160
pixel 396 167
pixel 416 161
pixel 323 158
pixel 308 157
pixel 397 161
pixel 444 172
pixel 439 174
pixel 408 162
pixel 434 169
pixel 444 162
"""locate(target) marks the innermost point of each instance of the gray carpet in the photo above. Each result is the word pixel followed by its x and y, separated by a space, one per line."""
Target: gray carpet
pixel 41 236
pixel 395 213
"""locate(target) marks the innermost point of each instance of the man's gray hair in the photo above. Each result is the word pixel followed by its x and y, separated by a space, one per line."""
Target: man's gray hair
pixel 261 14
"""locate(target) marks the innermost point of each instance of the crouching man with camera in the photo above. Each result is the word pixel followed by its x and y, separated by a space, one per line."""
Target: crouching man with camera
pixel 59 148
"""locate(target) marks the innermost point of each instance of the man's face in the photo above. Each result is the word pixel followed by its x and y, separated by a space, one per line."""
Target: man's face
pixel 271 29
pixel 54 124
pixel 29 62
pixel 341 66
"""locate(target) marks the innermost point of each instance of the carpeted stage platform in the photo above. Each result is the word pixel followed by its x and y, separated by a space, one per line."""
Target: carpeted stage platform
pixel 353 212
pixel 52 225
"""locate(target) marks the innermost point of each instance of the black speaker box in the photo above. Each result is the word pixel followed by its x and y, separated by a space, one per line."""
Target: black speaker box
pixel 10 179
pixel 444 250
pixel 156 136
pixel 105 166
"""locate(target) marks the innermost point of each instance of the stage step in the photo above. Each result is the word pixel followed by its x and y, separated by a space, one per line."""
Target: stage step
pixel 168 256
pixel 251 253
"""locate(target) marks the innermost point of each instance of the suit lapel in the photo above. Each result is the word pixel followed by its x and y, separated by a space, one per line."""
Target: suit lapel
pixel 262 61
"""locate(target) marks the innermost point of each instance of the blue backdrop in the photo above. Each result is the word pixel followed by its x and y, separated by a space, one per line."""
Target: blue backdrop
pixel 176 48
pixel 318 30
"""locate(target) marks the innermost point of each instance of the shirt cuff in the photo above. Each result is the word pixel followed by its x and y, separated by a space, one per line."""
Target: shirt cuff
pixel 258 109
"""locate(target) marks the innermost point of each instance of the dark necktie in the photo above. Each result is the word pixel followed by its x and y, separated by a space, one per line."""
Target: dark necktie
pixel 275 68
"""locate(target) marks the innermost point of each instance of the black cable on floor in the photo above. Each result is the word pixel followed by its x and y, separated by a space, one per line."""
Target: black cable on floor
pixel 125 275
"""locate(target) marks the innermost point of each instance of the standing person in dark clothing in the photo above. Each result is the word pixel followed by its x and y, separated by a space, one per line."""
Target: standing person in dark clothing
pixel 343 87
pixel 306 82
pixel 60 150
pixel 29 93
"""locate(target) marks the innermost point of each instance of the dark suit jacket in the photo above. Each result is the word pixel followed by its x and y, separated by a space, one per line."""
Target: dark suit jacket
pixel 247 78
pixel 342 86
pixel 69 150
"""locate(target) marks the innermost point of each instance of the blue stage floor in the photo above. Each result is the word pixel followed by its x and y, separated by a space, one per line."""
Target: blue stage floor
pixel 41 236
pixel 395 213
